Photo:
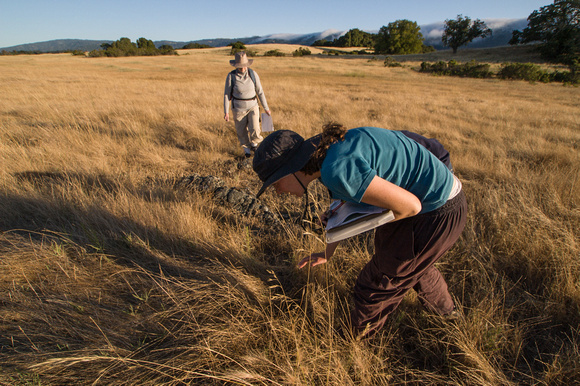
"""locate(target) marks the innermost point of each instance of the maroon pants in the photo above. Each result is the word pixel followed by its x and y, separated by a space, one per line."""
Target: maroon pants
pixel 405 252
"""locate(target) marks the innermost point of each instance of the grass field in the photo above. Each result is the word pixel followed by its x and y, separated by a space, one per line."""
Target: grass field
pixel 111 274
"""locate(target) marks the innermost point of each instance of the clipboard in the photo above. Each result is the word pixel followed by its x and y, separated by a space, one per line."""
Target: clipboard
pixel 349 219
pixel 267 124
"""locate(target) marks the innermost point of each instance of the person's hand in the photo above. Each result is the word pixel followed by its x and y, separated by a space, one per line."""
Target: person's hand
pixel 227 117
pixel 268 112
pixel 313 260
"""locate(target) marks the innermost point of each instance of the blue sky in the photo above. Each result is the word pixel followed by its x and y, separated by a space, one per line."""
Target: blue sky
pixel 31 21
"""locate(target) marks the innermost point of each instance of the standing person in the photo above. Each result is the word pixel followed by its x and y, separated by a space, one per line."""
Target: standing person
pixel 243 88
pixel 387 169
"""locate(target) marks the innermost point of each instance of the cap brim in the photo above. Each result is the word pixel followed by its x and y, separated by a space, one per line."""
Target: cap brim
pixel 296 162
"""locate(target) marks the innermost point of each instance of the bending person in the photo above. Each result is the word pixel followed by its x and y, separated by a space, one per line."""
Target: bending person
pixel 387 169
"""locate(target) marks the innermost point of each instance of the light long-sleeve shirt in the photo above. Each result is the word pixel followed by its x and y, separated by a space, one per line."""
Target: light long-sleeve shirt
pixel 244 91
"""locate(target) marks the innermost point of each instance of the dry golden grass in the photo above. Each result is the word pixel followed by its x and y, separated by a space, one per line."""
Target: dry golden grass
pixel 111 275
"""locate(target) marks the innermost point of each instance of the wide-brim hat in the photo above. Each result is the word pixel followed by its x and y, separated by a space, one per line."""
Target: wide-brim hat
pixel 241 60
pixel 282 153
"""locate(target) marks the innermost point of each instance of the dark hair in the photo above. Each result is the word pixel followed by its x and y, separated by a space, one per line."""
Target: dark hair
pixel 331 133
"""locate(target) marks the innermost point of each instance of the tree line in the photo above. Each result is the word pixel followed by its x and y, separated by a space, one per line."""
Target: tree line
pixel 554 27
pixel 125 47
pixel 404 37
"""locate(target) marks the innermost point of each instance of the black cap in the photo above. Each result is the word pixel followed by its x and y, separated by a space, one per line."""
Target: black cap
pixel 281 153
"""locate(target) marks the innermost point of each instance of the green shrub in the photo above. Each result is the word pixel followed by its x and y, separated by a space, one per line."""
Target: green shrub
pixel 568 77
pixel 390 62
pixel 439 68
pixel 523 71
pixel 274 53
pixel 97 54
pixel 301 52
pixel 189 46
pixel 338 52
pixel 470 69
pixel 517 71
pixel 166 49
pixel 322 43
pixel 237 47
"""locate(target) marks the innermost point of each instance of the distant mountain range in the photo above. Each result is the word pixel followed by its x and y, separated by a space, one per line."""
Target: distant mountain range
pixel 502 33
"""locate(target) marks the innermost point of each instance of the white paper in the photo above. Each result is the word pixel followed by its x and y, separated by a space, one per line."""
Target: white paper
pixel 354 228
pixel 267 124
pixel 350 219
pixel 346 212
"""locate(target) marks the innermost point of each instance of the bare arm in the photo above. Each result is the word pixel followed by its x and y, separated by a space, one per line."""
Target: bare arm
pixel 385 194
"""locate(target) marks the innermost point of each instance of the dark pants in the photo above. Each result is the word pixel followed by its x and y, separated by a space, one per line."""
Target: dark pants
pixel 405 252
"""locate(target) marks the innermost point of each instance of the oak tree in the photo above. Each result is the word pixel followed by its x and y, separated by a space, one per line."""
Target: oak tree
pixel 462 30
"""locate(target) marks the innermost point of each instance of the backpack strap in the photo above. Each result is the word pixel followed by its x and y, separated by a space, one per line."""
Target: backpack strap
pixel 253 77
pixel 233 77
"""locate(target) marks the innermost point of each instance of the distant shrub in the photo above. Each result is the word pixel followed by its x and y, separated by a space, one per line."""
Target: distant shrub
pixel 166 49
pixel 390 62
pixel 523 71
pixel 322 43
pixel 534 73
pixel 21 52
pixel 438 68
pixel 274 53
pixel 339 52
pixel 97 54
pixel 78 53
pixel 516 71
pixel 470 69
pixel 190 46
pixel 237 47
pixel 301 52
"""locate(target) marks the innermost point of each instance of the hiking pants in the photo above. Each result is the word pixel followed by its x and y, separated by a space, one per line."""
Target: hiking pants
pixel 248 127
pixel 405 252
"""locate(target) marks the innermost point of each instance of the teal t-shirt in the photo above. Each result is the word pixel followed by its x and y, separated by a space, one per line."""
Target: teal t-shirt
pixel 366 152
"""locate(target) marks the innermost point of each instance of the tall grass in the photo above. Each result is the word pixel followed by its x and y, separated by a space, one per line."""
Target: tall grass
pixel 112 274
